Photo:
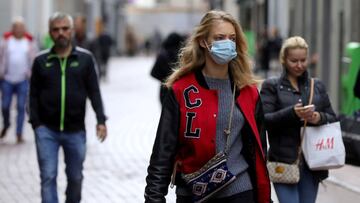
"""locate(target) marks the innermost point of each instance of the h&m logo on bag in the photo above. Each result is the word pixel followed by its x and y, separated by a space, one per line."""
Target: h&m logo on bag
pixel 325 144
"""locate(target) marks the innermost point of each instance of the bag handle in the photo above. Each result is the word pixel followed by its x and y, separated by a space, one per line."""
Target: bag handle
pixel 311 90
pixel 305 122
pixel 310 98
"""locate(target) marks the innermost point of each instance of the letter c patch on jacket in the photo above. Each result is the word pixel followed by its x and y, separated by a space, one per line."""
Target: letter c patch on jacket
pixel 191 104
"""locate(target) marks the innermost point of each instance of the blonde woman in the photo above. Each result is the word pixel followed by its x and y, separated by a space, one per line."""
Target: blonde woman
pixel 284 99
pixel 196 112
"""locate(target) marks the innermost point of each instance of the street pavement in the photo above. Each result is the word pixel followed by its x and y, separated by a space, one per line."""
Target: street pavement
pixel 115 171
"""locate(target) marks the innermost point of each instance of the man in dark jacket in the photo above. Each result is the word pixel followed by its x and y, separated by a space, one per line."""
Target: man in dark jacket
pixel 80 37
pixel 62 79
pixel 101 47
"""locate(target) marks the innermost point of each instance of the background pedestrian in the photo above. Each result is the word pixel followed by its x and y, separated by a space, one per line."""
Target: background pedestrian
pixel 166 60
pixel 80 36
pixel 62 80
pixel 284 99
pixel 101 47
pixel 17 51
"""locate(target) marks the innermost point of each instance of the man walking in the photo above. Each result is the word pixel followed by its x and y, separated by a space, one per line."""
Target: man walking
pixel 17 51
pixel 80 37
pixel 62 79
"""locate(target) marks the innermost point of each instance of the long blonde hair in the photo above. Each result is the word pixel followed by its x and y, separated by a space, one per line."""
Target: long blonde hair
pixel 192 56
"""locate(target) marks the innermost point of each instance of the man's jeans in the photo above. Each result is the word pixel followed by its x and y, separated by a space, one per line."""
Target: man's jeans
pixel 48 143
pixel 8 89
pixel 305 191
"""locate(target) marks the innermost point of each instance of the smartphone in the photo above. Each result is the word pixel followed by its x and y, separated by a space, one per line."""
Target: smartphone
pixel 311 107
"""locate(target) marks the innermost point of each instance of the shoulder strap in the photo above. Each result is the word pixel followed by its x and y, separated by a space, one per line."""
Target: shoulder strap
pixel 227 131
pixel 311 90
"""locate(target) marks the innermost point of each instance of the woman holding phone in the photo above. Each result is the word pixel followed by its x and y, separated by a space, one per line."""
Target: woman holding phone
pixel 285 104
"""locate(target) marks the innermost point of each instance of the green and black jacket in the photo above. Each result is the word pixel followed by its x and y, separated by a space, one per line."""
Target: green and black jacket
pixel 59 88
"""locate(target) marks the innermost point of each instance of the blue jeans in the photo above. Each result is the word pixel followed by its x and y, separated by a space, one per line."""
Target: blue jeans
pixel 8 89
pixel 305 191
pixel 48 143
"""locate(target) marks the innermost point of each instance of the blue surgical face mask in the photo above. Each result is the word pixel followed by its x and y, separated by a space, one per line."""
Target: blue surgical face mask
pixel 223 51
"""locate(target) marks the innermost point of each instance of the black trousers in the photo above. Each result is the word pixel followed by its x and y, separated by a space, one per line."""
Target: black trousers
pixel 243 197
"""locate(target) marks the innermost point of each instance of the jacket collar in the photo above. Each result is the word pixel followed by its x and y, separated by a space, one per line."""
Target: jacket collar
pixel 200 78
pixel 53 54
pixel 302 80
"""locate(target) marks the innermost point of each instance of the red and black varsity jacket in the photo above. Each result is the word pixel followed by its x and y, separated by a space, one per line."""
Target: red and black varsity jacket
pixel 187 131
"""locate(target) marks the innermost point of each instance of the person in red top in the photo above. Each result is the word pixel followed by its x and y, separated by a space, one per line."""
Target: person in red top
pixel 8 34
pixel 213 66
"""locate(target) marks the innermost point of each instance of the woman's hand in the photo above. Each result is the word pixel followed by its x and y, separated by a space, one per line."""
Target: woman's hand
pixel 304 113
pixel 315 118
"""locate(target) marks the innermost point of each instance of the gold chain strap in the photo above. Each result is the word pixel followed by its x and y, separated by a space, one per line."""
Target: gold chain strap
pixel 228 130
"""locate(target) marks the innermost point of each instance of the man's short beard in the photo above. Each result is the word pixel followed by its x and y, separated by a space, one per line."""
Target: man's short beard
pixel 62 43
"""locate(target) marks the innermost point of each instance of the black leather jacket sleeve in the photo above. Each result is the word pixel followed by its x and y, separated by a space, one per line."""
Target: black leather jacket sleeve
pixel 259 117
pixel 164 151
